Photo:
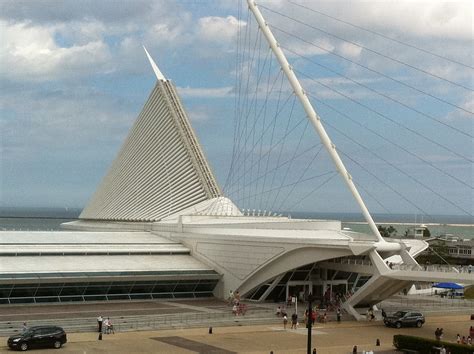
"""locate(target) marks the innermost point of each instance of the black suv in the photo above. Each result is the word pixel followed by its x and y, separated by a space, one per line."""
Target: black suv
pixel 405 319
pixel 38 337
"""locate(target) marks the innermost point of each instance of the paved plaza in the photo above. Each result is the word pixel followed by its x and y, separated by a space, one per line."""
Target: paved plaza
pixel 329 338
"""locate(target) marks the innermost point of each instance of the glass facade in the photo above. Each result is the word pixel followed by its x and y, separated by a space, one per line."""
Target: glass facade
pixel 105 291
pixel 306 273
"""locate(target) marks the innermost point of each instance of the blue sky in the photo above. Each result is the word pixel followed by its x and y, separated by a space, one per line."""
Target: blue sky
pixel 73 78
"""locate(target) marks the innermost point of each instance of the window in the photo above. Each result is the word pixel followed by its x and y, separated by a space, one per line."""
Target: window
pixel 102 291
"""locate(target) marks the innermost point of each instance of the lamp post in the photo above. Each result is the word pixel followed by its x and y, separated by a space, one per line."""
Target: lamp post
pixel 309 319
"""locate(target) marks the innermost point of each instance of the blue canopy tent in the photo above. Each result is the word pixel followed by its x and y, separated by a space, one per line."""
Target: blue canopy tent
pixel 452 286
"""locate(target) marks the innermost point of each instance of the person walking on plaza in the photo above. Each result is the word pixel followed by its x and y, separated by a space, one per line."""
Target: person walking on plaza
pixel 437 334
pixel 294 320
pixel 338 315
pixel 285 321
pixel 24 327
pixel 458 339
pixel 99 323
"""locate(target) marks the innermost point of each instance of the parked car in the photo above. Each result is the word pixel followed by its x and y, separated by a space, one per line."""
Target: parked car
pixel 38 337
pixel 405 319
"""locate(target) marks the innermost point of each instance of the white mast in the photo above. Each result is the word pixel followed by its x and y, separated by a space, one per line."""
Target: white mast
pixel 158 73
pixel 312 115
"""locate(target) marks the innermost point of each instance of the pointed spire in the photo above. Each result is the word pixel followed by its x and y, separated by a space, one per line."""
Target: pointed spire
pixel 157 71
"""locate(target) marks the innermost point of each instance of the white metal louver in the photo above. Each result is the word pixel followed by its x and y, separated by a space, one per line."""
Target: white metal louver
pixel 160 168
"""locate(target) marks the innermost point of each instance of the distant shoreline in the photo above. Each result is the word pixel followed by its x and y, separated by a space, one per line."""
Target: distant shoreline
pixel 409 223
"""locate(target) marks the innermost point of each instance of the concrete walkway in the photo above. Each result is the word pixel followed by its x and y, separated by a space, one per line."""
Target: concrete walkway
pixel 330 338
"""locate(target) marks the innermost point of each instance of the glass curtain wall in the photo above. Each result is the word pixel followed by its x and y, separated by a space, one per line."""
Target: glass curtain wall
pixel 103 291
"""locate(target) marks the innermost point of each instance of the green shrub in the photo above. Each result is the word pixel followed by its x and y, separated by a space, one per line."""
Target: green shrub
pixel 469 293
pixel 425 345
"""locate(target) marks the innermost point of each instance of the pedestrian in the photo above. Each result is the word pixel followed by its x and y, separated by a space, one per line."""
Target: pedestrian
pixel 469 340
pixel 278 311
pixel 469 268
pixel 285 321
pixel 325 318
pixel 110 326
pixel 463 340
pixel 338 315
pixel 437 334
pixel 294 320
pixel 384 314
pixel 440 333
pixel 458 339
pixel 370 314
pixel 99 323
pixel 105 324
pixel 442 350
pixel 24 327
pixel 314 316
pixel 234 309
pixel 237 296
pixel 354 349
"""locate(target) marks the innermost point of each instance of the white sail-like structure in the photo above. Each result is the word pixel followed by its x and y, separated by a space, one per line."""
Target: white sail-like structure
pixel 158 227
pixel 160 169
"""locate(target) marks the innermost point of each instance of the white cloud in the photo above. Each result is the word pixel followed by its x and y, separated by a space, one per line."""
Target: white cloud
pixel 349 50
pixel 218 29
pixel 30 52
pixel 468 104
pixel 217 92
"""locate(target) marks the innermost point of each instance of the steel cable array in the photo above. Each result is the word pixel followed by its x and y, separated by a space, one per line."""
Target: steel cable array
pixel 272 167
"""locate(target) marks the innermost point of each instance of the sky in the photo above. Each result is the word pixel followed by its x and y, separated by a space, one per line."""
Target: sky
pixel 74 76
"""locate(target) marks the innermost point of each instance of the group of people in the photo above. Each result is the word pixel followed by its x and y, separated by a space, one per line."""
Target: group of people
pixel 464 339
pixel 459 339
pixel 294 321
pixel 280 311
pixel 105 325
pixel 238 308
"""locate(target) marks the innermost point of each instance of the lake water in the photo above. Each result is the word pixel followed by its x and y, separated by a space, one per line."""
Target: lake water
pixel 42 219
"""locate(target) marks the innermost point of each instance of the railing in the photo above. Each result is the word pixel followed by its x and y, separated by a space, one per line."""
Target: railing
pixel 352 261
pixel 423 302
pixel 432 268
pixel 149 322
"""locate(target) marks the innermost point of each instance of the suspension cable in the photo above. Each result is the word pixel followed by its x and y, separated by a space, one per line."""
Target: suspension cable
pixel 369 49
pixel 381 35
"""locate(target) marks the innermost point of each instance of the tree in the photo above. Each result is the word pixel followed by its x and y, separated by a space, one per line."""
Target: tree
pixel 426 232
pixel 389 231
